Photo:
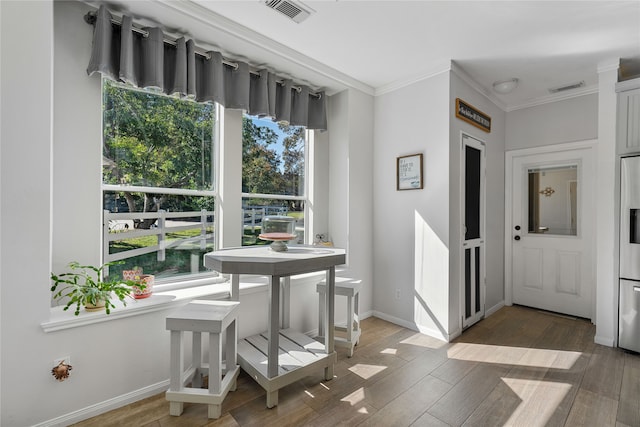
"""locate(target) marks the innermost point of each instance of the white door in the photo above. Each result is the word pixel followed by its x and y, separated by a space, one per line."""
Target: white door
pixel 552 229
pixel 473 228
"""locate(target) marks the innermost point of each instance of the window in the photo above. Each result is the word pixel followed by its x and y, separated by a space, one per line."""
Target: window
pixel 158 187
pixel 553 200
pixel 273 175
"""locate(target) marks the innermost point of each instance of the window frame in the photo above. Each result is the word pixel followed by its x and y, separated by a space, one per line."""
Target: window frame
pixel 185 280
pixel 304 197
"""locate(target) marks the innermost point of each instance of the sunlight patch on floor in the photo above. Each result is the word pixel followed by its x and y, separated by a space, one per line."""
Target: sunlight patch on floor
pixel 366 371
pixel 540 400
pixel 355 397
pixel 389 351
pixel 422 340
pixel 517 356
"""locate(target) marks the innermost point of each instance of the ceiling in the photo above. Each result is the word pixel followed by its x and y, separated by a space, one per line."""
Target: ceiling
pixel 378 46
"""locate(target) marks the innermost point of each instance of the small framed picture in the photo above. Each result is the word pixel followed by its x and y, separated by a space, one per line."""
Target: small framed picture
pixel 409 172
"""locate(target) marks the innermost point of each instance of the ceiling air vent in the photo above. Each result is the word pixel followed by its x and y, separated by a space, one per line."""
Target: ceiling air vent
pixel 291 9
pixel 567 87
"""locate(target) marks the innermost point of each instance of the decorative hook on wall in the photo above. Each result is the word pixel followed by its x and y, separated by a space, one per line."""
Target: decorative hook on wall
pixel 61 372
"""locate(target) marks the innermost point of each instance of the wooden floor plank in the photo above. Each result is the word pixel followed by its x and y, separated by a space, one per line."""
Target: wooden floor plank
pixel 604 373
pixel 384 391
pixel 463 399
pixel 408 406
pixel 629 405
pixel 592 409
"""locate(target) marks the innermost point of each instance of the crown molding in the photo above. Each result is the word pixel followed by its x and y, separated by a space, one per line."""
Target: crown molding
pixel 588 90
pixel 609 65
pixel 399 84
pixel 462 74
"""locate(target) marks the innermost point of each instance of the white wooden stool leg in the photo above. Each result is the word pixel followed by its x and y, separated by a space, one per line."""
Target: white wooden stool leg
pixel 176 363
pixel 356 311
pixel 196 356
pixel 176 408
pixel 215 372
pixel 215 410
pixel 231 351
pixel 350 311
pixel 321 310
pixel 215 368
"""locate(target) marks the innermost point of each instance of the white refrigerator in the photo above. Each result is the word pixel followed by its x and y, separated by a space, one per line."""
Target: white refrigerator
pixel 629 303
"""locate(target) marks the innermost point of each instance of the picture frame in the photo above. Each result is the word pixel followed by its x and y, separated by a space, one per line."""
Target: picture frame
pixel 409 172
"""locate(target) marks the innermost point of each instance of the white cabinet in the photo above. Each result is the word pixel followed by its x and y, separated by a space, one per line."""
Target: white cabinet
pixel 629 117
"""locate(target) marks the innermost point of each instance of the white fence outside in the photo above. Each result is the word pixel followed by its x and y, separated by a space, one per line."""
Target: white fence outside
pixel 119 226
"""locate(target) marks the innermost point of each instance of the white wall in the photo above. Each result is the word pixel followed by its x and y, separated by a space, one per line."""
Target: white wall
pixel 494 218
pixel 25 196
pixel 574 119
pixel 607 178
pixel 411 239
pixel 351 185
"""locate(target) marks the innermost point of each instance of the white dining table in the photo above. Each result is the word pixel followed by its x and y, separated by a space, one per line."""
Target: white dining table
pixel 282 355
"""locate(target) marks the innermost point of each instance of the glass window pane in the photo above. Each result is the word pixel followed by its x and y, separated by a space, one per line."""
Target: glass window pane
pixel 154 140
pixel 167 241
pixel 253 210
pixel 159 142
pixel 553 200
pixel 273 157
pixel 472 192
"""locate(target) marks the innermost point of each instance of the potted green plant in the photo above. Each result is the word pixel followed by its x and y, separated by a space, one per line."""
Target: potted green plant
pixel 85 286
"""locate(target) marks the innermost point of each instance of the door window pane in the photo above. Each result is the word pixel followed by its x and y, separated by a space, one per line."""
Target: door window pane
pixel 472 192
pixel 553 200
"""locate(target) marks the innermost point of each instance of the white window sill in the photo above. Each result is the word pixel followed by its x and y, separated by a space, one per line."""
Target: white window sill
pixel 164 299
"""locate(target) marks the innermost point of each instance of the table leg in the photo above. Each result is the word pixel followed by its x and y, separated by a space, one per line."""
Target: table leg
pixel 235 287
pixel 272 398
pixel 274 326
pixel 285 302
pixel 329 320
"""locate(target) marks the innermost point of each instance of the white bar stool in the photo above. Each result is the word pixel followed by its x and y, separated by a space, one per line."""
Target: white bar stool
pixel 349 288
pixel 212 317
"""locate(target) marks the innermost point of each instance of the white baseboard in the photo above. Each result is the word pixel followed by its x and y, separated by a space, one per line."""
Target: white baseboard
pixel 366 315
pixel 107 405
pixel 415 327
pixel 493 309
pixel 607 341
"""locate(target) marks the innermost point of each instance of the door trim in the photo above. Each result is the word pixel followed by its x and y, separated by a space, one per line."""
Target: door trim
pixel 508 201
pixel 483 237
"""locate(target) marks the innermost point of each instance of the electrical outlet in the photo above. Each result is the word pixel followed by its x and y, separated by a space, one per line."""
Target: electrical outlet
pixel 65 359
pixel 397 293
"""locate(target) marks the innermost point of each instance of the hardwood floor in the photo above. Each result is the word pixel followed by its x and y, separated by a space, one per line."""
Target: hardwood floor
pixel 519 367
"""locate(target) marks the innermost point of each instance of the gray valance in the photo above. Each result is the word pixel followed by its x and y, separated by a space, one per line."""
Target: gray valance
pixel 146 61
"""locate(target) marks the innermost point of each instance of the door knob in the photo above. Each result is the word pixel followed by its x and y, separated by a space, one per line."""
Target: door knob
pixel 517 238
